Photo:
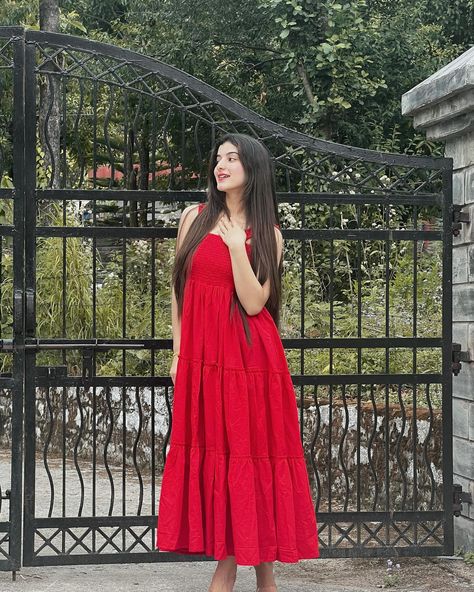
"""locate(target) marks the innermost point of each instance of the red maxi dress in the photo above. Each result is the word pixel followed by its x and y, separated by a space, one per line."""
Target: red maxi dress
pixel 235 480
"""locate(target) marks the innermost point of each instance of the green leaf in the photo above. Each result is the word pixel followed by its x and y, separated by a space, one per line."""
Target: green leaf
pixel 77 25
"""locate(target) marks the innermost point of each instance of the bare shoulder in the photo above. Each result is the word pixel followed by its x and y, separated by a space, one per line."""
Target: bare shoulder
pixel 188 215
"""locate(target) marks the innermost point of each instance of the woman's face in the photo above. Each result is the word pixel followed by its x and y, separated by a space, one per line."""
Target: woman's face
pixel 229 171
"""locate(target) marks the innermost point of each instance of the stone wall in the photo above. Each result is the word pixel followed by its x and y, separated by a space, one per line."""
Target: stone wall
pixel 81 423
pixel 411 456
pixel 65 421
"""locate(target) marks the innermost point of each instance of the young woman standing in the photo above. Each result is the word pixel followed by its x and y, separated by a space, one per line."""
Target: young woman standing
pixel 235 484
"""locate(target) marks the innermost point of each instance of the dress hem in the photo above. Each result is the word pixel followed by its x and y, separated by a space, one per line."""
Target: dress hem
pixel 283 557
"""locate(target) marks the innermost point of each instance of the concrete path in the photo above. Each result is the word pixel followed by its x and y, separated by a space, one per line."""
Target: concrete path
pixel 315 575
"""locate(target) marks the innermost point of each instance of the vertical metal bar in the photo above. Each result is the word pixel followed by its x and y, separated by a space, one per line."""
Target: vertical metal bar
pixel 345 474
pixel 183 149
pixel 447 329
pixel 63 137
pixel 64 280
pixel 19 122
pixel 198 156
pixel 126 158
pixel 124 364
pixel 94 136
pixel 387 371
pixel 402 432
pixel 107 118
pixel 153 149
pixel 124 454
pixel 108 438
pixel 94 264
pixel 29 174
pixel 64 390
pixel 135 448
pixel 425 447
pixel 47 442
pixel 81 157
pixel 317 430
pixel 415 388
pixel 64 394
pixel 370 451
pixel 63 472
pixel 94 461
pixel 154 508
pixel 302 312
pixel 76 449
pixel 359 367
pixel 331 367
pixel 168 151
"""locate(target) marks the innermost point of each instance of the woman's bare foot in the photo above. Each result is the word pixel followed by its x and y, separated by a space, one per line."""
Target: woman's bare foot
pixel 225 575
pixel 265 577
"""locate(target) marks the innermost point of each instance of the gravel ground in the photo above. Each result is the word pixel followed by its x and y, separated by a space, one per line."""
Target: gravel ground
pixel 315 575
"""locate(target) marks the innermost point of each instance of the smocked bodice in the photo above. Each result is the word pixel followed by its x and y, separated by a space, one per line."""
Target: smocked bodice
pixel 212 261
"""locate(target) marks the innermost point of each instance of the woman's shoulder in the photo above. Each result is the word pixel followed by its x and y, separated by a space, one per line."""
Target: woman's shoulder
pixel 190 212
pixel 188 215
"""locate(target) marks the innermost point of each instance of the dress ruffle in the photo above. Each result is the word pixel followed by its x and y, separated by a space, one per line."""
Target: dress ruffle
pixel 238 485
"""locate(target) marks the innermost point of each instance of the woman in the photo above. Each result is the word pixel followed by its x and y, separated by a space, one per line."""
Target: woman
pixel 235 484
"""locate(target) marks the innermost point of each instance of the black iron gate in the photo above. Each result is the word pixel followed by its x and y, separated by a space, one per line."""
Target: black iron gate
pixel 107 144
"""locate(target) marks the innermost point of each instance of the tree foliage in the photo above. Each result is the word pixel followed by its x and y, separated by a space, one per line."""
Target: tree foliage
pixel 332 68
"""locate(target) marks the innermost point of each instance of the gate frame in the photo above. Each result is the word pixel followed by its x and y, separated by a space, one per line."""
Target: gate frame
pixel 12 528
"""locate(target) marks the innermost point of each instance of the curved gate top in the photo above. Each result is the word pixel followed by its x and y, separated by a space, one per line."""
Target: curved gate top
pixel 99 148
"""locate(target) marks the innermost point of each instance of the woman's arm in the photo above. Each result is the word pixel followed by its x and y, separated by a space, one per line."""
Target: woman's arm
pixel 187 217
pixel 251 293
pixel 175 322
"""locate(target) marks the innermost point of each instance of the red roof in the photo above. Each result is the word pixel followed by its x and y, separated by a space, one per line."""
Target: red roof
pixel 104 171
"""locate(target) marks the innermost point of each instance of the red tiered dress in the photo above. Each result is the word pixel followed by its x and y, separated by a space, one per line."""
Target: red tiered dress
pixel 235 479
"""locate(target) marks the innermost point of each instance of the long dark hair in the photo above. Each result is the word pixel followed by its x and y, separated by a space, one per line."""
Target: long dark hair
pixel 261 212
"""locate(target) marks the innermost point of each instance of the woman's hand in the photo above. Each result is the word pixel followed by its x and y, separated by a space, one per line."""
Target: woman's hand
pixel 173 368
pixel 232 234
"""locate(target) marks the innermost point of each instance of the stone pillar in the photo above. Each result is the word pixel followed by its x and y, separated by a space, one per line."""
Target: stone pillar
pixel 443 106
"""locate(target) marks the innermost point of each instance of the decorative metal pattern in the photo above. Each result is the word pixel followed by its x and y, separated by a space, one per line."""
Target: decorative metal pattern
pixel 116 143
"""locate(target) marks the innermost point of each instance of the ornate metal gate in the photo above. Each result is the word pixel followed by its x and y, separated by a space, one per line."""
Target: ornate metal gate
pixel 106 144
